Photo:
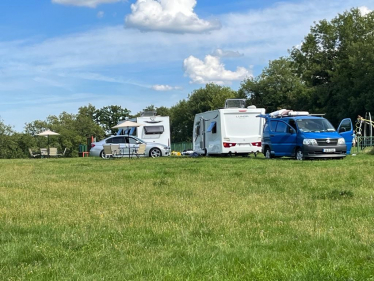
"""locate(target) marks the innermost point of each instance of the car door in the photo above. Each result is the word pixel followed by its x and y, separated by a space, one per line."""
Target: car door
pixel 345 129
pixel 121 141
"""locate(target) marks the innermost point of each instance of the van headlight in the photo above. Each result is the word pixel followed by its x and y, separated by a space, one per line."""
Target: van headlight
pixel 309 141
pixel 341 141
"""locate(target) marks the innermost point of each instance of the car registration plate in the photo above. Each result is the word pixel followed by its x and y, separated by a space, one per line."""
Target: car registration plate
pixel 329 150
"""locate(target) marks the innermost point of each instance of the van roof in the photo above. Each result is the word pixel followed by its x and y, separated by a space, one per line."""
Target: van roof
pixel 298 117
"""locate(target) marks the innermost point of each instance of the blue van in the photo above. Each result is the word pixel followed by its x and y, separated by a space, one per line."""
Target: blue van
pixel 305 136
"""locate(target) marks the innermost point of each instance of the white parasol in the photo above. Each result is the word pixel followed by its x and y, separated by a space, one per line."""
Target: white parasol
pixel 127 124
pixel 48 133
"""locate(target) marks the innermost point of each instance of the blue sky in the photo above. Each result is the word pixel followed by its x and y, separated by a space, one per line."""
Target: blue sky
pixel 59 55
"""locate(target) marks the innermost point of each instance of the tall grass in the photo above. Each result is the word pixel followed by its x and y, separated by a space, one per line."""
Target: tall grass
pixel 187 219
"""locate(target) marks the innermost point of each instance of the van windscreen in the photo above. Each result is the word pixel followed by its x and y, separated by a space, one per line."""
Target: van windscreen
pixel 314 125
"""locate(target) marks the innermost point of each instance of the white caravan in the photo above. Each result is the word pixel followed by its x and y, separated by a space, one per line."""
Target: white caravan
pixel 155 128
pixel 231 130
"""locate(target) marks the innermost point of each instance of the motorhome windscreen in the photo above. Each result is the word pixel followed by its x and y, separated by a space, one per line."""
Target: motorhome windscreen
pixel 314 125
pixel 152 130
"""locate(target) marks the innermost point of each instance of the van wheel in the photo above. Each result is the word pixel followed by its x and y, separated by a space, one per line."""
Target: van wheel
pixel 268 153
pixel 299 155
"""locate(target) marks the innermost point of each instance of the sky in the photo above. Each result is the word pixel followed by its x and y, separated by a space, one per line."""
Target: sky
pixel 59 55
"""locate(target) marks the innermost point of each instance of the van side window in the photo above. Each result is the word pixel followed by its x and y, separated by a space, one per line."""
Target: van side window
pixel 281 127
pixel 273 125
pixel 266 126
pixel 293 125
pixel 345 126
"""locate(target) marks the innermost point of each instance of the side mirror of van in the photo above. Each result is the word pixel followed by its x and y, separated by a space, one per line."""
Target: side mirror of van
pixel 342 130
pixel 292 131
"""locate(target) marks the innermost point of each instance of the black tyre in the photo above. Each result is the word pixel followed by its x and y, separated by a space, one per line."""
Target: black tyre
pixel 155 152
pixel 299 155
pixel 102 154
pixel 267 153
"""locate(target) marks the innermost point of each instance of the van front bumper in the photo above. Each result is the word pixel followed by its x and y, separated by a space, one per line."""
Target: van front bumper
pixel 313 151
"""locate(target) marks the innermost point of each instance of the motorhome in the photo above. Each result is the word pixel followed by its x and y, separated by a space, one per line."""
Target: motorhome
pixel 232 130
pixel 154 128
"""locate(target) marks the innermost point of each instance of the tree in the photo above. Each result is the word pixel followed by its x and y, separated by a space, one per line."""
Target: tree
pixel 109 116
pixel 276 87
pixel 336 62
pixel 182 114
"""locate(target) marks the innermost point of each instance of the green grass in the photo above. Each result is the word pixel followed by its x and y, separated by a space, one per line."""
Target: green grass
pixel 187 219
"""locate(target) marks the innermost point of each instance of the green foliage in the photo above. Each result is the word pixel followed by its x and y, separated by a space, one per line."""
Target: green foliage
pixel 336 63
pixel 109 116
pixel 204 99
pixel 182 218
pixel 276 87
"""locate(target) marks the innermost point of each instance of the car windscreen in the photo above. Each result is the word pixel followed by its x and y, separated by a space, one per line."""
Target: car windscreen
pixel 314 125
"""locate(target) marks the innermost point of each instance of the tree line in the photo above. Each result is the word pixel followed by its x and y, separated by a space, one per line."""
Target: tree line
pixel 331 72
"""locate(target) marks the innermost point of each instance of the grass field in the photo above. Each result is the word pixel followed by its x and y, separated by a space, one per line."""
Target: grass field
pixel 187 219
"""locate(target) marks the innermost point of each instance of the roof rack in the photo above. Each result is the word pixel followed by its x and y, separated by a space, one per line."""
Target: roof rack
pixel 286 113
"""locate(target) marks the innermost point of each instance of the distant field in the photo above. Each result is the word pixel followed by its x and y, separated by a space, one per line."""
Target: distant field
pixel 187 219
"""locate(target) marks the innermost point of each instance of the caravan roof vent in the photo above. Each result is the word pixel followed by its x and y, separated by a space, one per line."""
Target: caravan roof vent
pixel 149 113
pixel 251 107
pixel 235 103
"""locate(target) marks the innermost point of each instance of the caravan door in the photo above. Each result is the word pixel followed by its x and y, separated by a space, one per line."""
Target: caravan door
pixel 345 129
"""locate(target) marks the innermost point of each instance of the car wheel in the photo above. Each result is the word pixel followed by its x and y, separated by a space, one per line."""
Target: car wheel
pixel 299 154
pixel 155 152
pixel 102 154
pixel 267 153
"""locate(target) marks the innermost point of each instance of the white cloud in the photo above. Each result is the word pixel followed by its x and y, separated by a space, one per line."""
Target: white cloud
pixel 212 70
pixel 162 88
pixel 100 14
pixel 175 16
pixel 84 3
pixel 364 10
pixel 226 53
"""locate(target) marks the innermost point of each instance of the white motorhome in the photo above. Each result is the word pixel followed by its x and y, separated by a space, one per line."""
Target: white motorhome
pixel 230 130
pixel 155 128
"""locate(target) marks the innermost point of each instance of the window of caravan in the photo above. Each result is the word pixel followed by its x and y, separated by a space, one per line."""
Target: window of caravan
pixel 212 127
pixel 133 131
pixel 197 129
pixel 151 130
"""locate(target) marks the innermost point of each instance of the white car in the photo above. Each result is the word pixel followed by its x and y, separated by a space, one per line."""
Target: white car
pixel 152 149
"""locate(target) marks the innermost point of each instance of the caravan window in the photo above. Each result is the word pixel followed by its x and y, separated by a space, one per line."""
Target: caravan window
pixel 133 131
pixel 212 127
pixel 197 128
pixel 151 130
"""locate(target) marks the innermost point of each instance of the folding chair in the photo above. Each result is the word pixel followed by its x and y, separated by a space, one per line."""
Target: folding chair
pixel 115 150
pixel 107 151
pixel 32 155
pixel 140 150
